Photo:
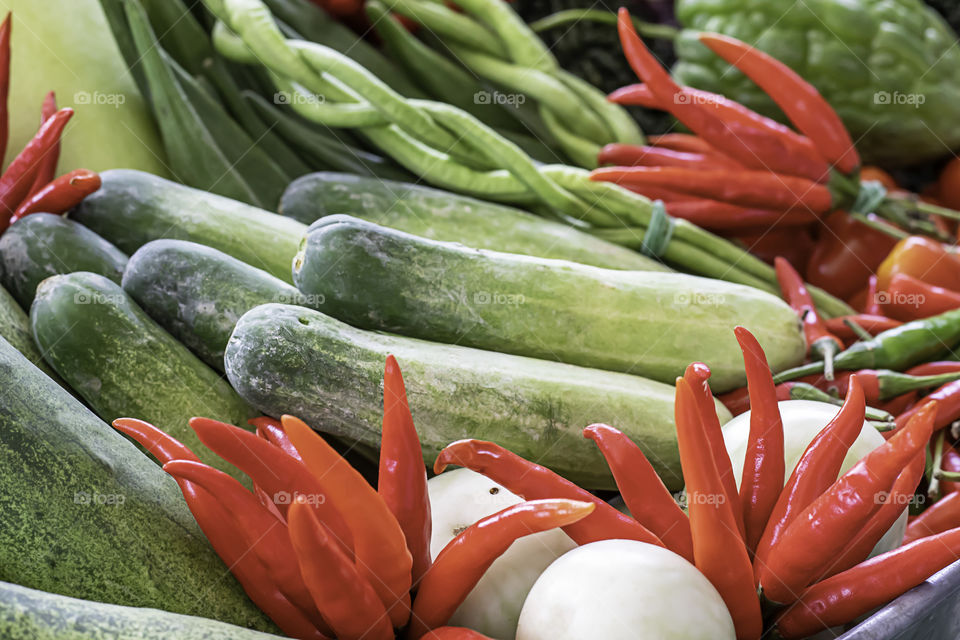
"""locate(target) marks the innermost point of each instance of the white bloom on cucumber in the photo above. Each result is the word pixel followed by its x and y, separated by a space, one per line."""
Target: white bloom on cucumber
pixel 460 498
pixel 623 590
pixel 802 420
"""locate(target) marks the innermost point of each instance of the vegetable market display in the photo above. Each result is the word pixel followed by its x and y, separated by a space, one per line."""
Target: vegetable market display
pixel 700 382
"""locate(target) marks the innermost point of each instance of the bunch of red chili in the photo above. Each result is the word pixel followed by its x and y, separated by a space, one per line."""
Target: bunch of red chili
pixel 802 543
pixel 28 185
pixel 322 552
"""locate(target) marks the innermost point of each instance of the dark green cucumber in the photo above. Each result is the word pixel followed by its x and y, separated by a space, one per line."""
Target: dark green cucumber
pixel 86 514
pixel 15 329
pixel 287 359
pixel 124 364
pixel 43 245
pixel 198 293
pixel 450 217
pixel 27 614
pixel 132 208
pixel 639 322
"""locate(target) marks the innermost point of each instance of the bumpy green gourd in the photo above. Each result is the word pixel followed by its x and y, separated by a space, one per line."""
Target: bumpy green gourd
pixel 891 68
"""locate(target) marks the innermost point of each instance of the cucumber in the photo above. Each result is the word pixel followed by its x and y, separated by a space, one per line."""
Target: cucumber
pixel 198 293
pixel 124 364
pixel 287 359
pixel 87 515
pixel 132 208
pixel 15 329
pixel 450 217
pixel 42 245
pixel 640 322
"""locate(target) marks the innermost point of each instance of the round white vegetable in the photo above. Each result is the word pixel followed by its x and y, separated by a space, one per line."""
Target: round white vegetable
pixel 623 590
pixel 802 420
pixel 458 499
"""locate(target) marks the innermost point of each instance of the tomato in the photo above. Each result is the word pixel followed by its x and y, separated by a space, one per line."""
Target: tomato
pixel 924 259
pixel 948 185
pixel 795 244
pixel 846 255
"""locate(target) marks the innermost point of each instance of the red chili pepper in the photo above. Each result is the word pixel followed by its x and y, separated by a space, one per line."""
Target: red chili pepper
pixel 342 595
pixel 909 298
pixel 881 384
pixel 846 254
pixel 261 533
pixel 816 470
pixel 764 469
pixel 280 475
pixel 378 541
pixel 61 195
pixel 890 510
pixel 678 141
pixel 722 216
pixel 455 633
pixel 872 324
pixel 48 163
pixel 16 181
pixel 697 375
pixel 718 549
pixel 750 145
pixel 747 188
pixel 947 398
pixel 799 100
pixel 4 85
pixel 850 594
pixel 646 156
pixel 648 499
pixel 402 478
pixel 818 534
pixel 935 368
pixel 271 430
pixel 668 196
pixel 822 344
pixel 462 563
pixel 531 481
pixel 951 463
pixel 942 515
pixel 223 532
pixel 872 300
pixel 898 405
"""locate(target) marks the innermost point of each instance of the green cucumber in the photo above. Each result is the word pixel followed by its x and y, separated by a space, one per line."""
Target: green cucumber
pixel 450 217
pixel 15 329
pixel 44 244
pixel 37 615
pixel 198 293
pixel 87 515
pixel 287 359
pixel 132 208
pixel 124 364
pixel 639 322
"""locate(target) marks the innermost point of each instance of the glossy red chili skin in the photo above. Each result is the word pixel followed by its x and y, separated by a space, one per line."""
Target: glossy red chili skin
pixel 847 252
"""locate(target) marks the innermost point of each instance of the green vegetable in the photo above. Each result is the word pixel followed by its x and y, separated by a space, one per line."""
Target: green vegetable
pixel 891 68
pixel 15 329
pixel 640 322
pixel 450 217
pixel 198 293
pixel 132 208
pixel 85 514
pixel 124 364
pixel 67 48
pixel 26 613
pixel 286 359
pixel 43 245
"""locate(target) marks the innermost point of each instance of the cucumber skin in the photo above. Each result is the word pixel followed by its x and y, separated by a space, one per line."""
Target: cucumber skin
pixel 643 323
pixel 287 359
pixel 132 208
pixel 15 329
pixel 27 614
pixel 146 552
pixel 43 245
pixel 450 217
pixel 125 365
pixel 198 293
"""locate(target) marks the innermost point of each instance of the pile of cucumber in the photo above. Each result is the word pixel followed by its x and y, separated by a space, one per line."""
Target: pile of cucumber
pixel 158 301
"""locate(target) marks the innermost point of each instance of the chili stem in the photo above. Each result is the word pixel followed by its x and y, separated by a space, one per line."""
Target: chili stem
pixel 569 16
pixel 933 489
pixel 882 227
pixel 862 333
